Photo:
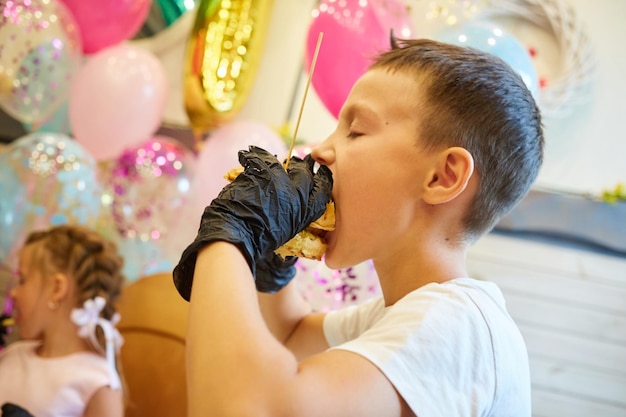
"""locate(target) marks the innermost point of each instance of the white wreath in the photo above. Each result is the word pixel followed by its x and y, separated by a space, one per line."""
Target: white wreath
pixel 578 63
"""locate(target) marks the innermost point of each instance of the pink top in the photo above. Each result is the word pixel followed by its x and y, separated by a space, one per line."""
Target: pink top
pixel 59 387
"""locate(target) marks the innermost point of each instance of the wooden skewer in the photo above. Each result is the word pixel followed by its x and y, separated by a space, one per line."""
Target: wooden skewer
pixel 306 89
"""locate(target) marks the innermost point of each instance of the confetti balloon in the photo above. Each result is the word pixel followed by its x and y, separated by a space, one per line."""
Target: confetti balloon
pixel 142 258
pixel 440 13
pixel 326 289
pixel 40 51
pixel 46 179
pixel 223 52
pixel 58 122
pixel 146 189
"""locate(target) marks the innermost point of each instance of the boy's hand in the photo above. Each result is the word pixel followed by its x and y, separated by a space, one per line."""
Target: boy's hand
pixel 274 273
pixel 12 410
pixel 260 210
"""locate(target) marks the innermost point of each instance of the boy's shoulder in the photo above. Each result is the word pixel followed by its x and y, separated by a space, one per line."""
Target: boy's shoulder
pixel 467 288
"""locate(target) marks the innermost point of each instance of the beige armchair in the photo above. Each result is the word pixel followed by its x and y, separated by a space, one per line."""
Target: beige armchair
pixel 153 324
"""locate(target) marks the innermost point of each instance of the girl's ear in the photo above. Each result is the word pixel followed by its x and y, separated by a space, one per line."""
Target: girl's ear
pixel 450 175
pixel 60 287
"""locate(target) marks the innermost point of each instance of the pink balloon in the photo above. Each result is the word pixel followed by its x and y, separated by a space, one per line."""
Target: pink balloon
pixel 117 100
pixel 107 23
pixel 354 32
pixel 303 150
pixel 218 156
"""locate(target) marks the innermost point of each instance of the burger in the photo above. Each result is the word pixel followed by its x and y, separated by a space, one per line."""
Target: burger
pixel 309 243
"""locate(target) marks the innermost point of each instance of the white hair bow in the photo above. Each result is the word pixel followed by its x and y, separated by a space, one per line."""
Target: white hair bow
pixel 88 320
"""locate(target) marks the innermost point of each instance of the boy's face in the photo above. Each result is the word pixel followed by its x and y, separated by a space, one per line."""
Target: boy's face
pixel 378 170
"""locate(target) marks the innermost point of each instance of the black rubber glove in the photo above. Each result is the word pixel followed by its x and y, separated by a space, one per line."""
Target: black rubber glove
pixel 273 273
pixel 260 210
pixel 12 410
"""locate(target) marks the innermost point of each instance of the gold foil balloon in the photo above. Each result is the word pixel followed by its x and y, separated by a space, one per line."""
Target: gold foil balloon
pixel 223 53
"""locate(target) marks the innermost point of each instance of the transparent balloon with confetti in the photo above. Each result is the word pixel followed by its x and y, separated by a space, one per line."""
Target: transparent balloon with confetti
pixel 40 51
pixel 146 188
pixel 45 179
pixel 326 289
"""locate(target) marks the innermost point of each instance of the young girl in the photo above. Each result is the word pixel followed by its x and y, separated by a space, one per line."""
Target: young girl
pixel 64 363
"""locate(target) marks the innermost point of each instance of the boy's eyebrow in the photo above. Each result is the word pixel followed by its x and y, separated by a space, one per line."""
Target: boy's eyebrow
pixel 361 110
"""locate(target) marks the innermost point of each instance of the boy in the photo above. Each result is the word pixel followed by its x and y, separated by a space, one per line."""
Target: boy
pixel 433 145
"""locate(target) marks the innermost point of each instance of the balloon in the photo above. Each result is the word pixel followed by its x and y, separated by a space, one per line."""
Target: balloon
pixel 147 187
pixel 107 23
pixel 326 289
pixel 354 32
pixel 45 179
pixel 219 153
pixel 223 53
pixel 432 16
pixel 117 100
pixel 302 150
pixel 394 15
pixel 58 122
pixel 40 52
pixel 218 156
pixel 142 258
pixel 491 38
pixel 173 9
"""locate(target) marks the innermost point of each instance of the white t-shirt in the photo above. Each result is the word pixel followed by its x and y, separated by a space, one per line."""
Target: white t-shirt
pixel 54 387
pixel 450 349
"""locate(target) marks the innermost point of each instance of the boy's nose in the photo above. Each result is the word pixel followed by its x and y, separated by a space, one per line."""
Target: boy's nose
pixel 323 153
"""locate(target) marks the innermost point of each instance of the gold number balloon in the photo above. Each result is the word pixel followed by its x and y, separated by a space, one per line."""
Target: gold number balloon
pixel 223 53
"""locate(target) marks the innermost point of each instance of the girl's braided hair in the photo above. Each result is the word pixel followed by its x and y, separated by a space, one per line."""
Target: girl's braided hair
pixel 86 257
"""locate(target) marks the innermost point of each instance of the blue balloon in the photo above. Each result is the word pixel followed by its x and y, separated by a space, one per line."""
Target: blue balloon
pixel 45 179
pixel 12 199
pixel 58 122
pixel 493 39
pixel 142 258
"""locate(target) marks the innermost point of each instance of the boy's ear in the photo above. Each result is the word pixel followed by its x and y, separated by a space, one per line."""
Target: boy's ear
pixel 449 176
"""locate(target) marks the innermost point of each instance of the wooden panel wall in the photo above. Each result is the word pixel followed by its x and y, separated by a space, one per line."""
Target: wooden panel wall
pixel 570 305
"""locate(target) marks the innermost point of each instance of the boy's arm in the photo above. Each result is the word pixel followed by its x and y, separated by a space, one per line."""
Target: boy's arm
pixel 236 367
pixel 290 319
